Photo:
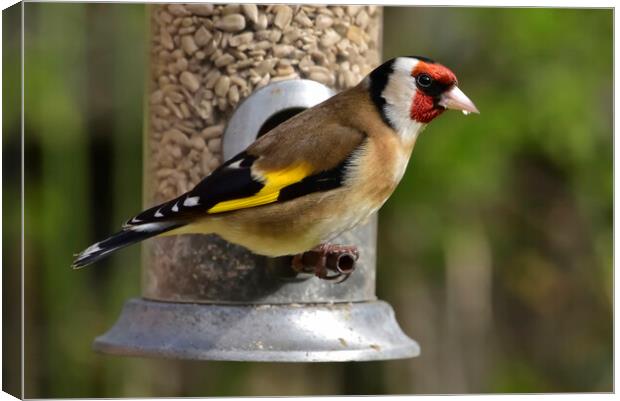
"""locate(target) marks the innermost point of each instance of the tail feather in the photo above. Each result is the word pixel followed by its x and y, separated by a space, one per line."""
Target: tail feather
pixel 128 236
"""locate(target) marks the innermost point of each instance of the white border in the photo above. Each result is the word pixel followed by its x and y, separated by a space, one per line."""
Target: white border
pixel 480 3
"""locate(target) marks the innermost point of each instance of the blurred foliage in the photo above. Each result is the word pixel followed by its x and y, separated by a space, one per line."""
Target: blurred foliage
pixel 520 196
pixel 495 251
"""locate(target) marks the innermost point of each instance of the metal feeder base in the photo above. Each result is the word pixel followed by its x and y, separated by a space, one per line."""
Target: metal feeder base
pixel 361 331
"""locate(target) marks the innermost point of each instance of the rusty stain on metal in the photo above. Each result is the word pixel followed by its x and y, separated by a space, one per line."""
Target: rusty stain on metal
pixel 338 259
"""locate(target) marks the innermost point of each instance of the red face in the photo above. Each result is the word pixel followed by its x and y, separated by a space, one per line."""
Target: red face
pixel 432 80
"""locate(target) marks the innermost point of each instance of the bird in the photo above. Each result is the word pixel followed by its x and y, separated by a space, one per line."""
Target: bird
pixel 316 175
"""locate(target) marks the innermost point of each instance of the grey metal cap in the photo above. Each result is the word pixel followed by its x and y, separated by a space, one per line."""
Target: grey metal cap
pixel 362 331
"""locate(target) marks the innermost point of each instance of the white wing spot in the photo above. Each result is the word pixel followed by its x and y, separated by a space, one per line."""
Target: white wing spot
pixel 236 164
pixel 147 227
pixel 175 208
pixel 192 201
pixel 92 249
pixel 158 213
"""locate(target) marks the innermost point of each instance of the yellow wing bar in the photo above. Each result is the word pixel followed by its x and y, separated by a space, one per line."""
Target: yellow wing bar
pixel 274 181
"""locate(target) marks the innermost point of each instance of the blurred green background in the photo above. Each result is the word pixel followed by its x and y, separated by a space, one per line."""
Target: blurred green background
pixel 495 251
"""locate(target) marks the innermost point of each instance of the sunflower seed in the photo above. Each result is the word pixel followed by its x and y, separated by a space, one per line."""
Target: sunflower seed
pixel 231 23
pixel 283 17
pixel 251 12
pixel 190 81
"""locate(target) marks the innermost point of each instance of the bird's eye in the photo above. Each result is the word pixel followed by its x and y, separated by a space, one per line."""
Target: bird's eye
pixel 424 80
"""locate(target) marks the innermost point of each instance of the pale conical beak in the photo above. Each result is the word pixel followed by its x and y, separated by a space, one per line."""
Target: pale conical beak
pixel 455 99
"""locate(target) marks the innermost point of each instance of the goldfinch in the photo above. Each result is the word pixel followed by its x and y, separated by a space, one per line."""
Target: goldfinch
pixel 313 177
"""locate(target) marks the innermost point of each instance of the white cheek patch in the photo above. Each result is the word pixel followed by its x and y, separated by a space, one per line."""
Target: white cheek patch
pixel 398 94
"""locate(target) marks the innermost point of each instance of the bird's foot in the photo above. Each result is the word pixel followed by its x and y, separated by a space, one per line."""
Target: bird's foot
pixel 338 259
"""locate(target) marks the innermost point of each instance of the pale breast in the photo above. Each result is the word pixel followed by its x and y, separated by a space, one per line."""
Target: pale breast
pixel 379 167
pixel 300 224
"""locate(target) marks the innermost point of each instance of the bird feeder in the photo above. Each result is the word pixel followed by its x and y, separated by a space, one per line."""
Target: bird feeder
pixel 220 76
